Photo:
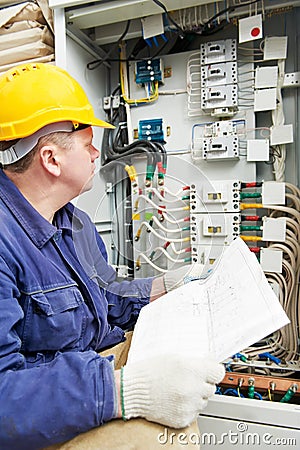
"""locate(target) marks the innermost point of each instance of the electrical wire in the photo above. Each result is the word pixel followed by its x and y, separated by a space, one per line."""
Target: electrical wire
pixel 209 25
pixel 98 62
pixel 159 207
pixel 163 238
pixel 169 257
pixel 178 28
pixel 175 221
pixel 163 198
pixel 284 342
pixel 168 230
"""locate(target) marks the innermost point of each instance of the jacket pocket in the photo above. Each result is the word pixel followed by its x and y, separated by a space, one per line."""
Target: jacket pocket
pixel 54 320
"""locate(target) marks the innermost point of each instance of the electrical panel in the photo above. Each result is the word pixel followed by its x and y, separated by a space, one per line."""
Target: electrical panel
pixel 224 105
pixel 215 132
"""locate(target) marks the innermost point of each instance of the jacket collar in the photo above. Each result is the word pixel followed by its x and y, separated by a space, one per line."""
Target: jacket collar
pixel 35 225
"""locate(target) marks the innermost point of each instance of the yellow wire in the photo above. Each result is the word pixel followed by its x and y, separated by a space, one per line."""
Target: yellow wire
pixel 251 205
pixel 251 238
pixel 151 98
pixel 269 395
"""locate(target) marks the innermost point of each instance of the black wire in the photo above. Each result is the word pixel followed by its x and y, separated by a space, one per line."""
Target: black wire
pixel 107 166
pixel 139 46
pixel 117 89
pixel 140 142
pixel 114 156
pixel 228 10
pixel 272 157
pixel 118 228
pixel 106 137
pixel 97 62
pixel 178 28
pixel 154 152
pixel 162 149
pixel 208 30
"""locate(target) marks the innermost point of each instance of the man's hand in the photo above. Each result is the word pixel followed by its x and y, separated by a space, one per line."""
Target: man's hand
pixel 176 278
pixel 170 390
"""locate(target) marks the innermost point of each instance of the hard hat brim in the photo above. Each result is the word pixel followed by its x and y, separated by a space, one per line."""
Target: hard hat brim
pixel 101 123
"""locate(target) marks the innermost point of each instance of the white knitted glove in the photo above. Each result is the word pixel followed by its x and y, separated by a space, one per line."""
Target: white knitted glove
pixel 176 278
pixel 170 390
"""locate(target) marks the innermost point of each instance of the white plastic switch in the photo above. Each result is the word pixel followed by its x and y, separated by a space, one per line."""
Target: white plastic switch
pixel 274 229
pixel 265 99
pixel 218 51
pixel 273 193
pixel 282 134
pixel 266 77
pixel 258 150
pixel 275 47
pixel 271 260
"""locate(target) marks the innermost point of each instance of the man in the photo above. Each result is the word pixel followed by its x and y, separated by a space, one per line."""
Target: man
pixel 60 304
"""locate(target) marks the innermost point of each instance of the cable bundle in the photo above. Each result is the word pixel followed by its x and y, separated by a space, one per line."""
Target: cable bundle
pixel 284 343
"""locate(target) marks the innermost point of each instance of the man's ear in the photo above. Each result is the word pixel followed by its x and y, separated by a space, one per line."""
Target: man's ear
pixel 50 159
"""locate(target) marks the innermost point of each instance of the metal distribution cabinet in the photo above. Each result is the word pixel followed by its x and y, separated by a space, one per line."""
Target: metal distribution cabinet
pixel 238 423
pixel 228 422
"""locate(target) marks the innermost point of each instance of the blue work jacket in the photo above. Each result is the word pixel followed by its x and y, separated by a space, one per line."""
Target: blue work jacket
pixel 60 304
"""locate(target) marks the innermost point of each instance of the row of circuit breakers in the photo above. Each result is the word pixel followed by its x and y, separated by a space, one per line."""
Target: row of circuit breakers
pixel 221 87
pixel 224 209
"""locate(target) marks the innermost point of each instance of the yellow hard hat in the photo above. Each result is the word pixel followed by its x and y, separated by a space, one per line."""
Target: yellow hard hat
pixel 35 95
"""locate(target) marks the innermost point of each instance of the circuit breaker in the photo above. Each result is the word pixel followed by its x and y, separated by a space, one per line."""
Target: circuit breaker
pixel 215 196
pixel 219 88
pixel 217 141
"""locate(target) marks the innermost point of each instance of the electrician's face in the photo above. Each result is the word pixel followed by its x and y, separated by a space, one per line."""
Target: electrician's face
pixel 79 162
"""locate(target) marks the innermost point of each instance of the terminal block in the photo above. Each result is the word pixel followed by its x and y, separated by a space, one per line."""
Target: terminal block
pixel 151 130
pixel 148 71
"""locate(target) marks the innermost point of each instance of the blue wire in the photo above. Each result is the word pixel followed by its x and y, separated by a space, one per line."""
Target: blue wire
pixel 228 367
pixel 155 41
pixel 270 357
pixel 148 42
pixel 233 392
pixel 257 395
pixel 199 125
